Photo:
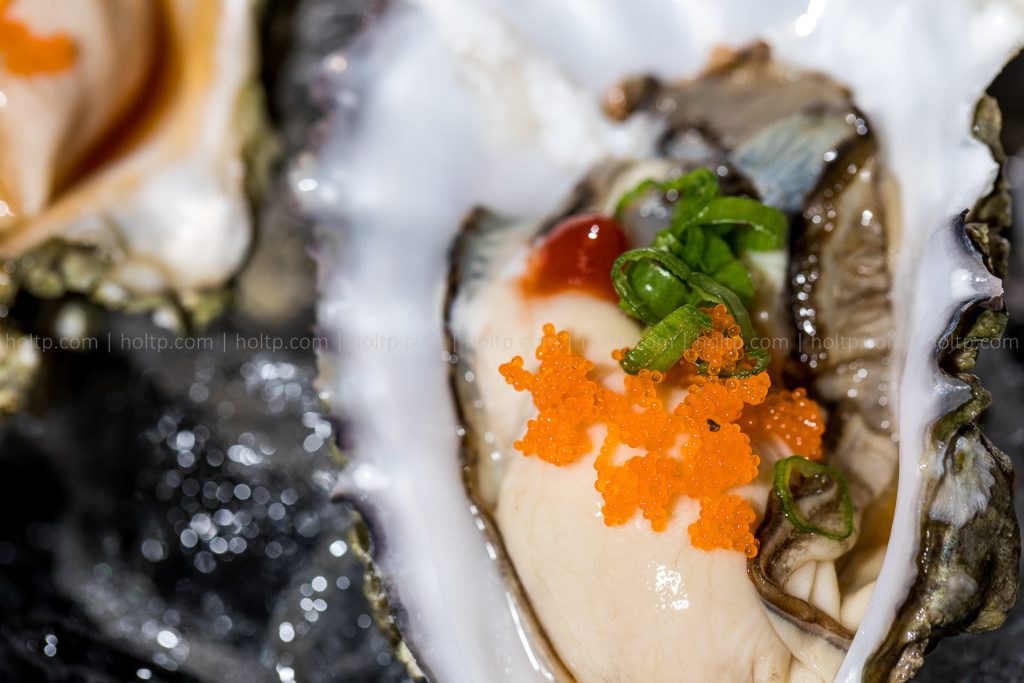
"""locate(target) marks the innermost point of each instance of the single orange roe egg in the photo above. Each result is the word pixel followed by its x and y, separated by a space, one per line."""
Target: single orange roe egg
pixel 697 448
pixel 724 523
pixel 26 54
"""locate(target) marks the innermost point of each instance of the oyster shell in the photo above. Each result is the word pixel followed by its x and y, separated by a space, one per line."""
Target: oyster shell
pixel 508 117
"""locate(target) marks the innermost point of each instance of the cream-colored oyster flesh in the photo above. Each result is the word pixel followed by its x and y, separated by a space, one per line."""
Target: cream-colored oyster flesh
pixel 621 603
pixel 138 148
pixel 508 116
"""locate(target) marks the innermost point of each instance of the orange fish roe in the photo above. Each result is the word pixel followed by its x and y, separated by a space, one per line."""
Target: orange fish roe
pixel 721 460
pixel 721 347
pixel 564 396
pixel 724 523
pixel 26 54
pixel 696 449
pixel 791 417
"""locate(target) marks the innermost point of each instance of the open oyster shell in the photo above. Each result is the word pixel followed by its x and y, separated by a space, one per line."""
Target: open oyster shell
pixel 508 116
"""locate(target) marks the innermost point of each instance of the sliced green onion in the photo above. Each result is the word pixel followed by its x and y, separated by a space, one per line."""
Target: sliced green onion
pixel 644 295
pixel 807 468
pixel 668 261
pixel 701 183
pixel 697 190
pixel 692 262
pixel 648 280
pixel 663 345
pixel 699 204
pixel 689 245
pixel 735 276
pixel 716 253
pixel 767 225
pixel 761 359
pixel 714 293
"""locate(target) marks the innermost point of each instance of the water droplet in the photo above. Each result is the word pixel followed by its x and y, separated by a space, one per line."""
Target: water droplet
pixel 205 562
pixel 153 550
pixel 189 538
pixel 167 639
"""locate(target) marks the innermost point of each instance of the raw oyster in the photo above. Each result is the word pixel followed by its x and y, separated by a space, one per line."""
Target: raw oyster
pixel 508 117
pixel 122 173
pixel 125 163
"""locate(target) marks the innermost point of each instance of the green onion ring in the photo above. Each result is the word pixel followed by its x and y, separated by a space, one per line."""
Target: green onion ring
pixel 783 471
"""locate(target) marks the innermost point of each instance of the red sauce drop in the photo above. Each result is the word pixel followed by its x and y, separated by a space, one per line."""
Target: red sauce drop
pixel 577 254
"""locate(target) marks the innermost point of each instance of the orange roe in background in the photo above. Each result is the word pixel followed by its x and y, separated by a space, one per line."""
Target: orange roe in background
pixel 26 54
pixel 699 448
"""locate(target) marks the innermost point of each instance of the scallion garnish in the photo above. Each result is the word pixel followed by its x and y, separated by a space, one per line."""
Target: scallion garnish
pixel 760 357
pixel 809 469
pixel 649 294
pixel 766 226
pixel 693 262
pixel 663 345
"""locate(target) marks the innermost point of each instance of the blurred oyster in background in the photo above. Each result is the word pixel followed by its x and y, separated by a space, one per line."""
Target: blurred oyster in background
pixel 129 141
pixel 164 513
pixel 124 139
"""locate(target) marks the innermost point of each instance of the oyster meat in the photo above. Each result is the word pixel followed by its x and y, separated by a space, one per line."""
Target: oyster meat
pixel 497 566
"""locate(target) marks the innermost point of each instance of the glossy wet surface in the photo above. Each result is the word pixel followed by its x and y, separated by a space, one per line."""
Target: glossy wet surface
pixel 164 516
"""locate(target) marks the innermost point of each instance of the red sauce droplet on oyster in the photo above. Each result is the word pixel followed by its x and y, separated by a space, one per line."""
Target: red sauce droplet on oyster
pixel 577 254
